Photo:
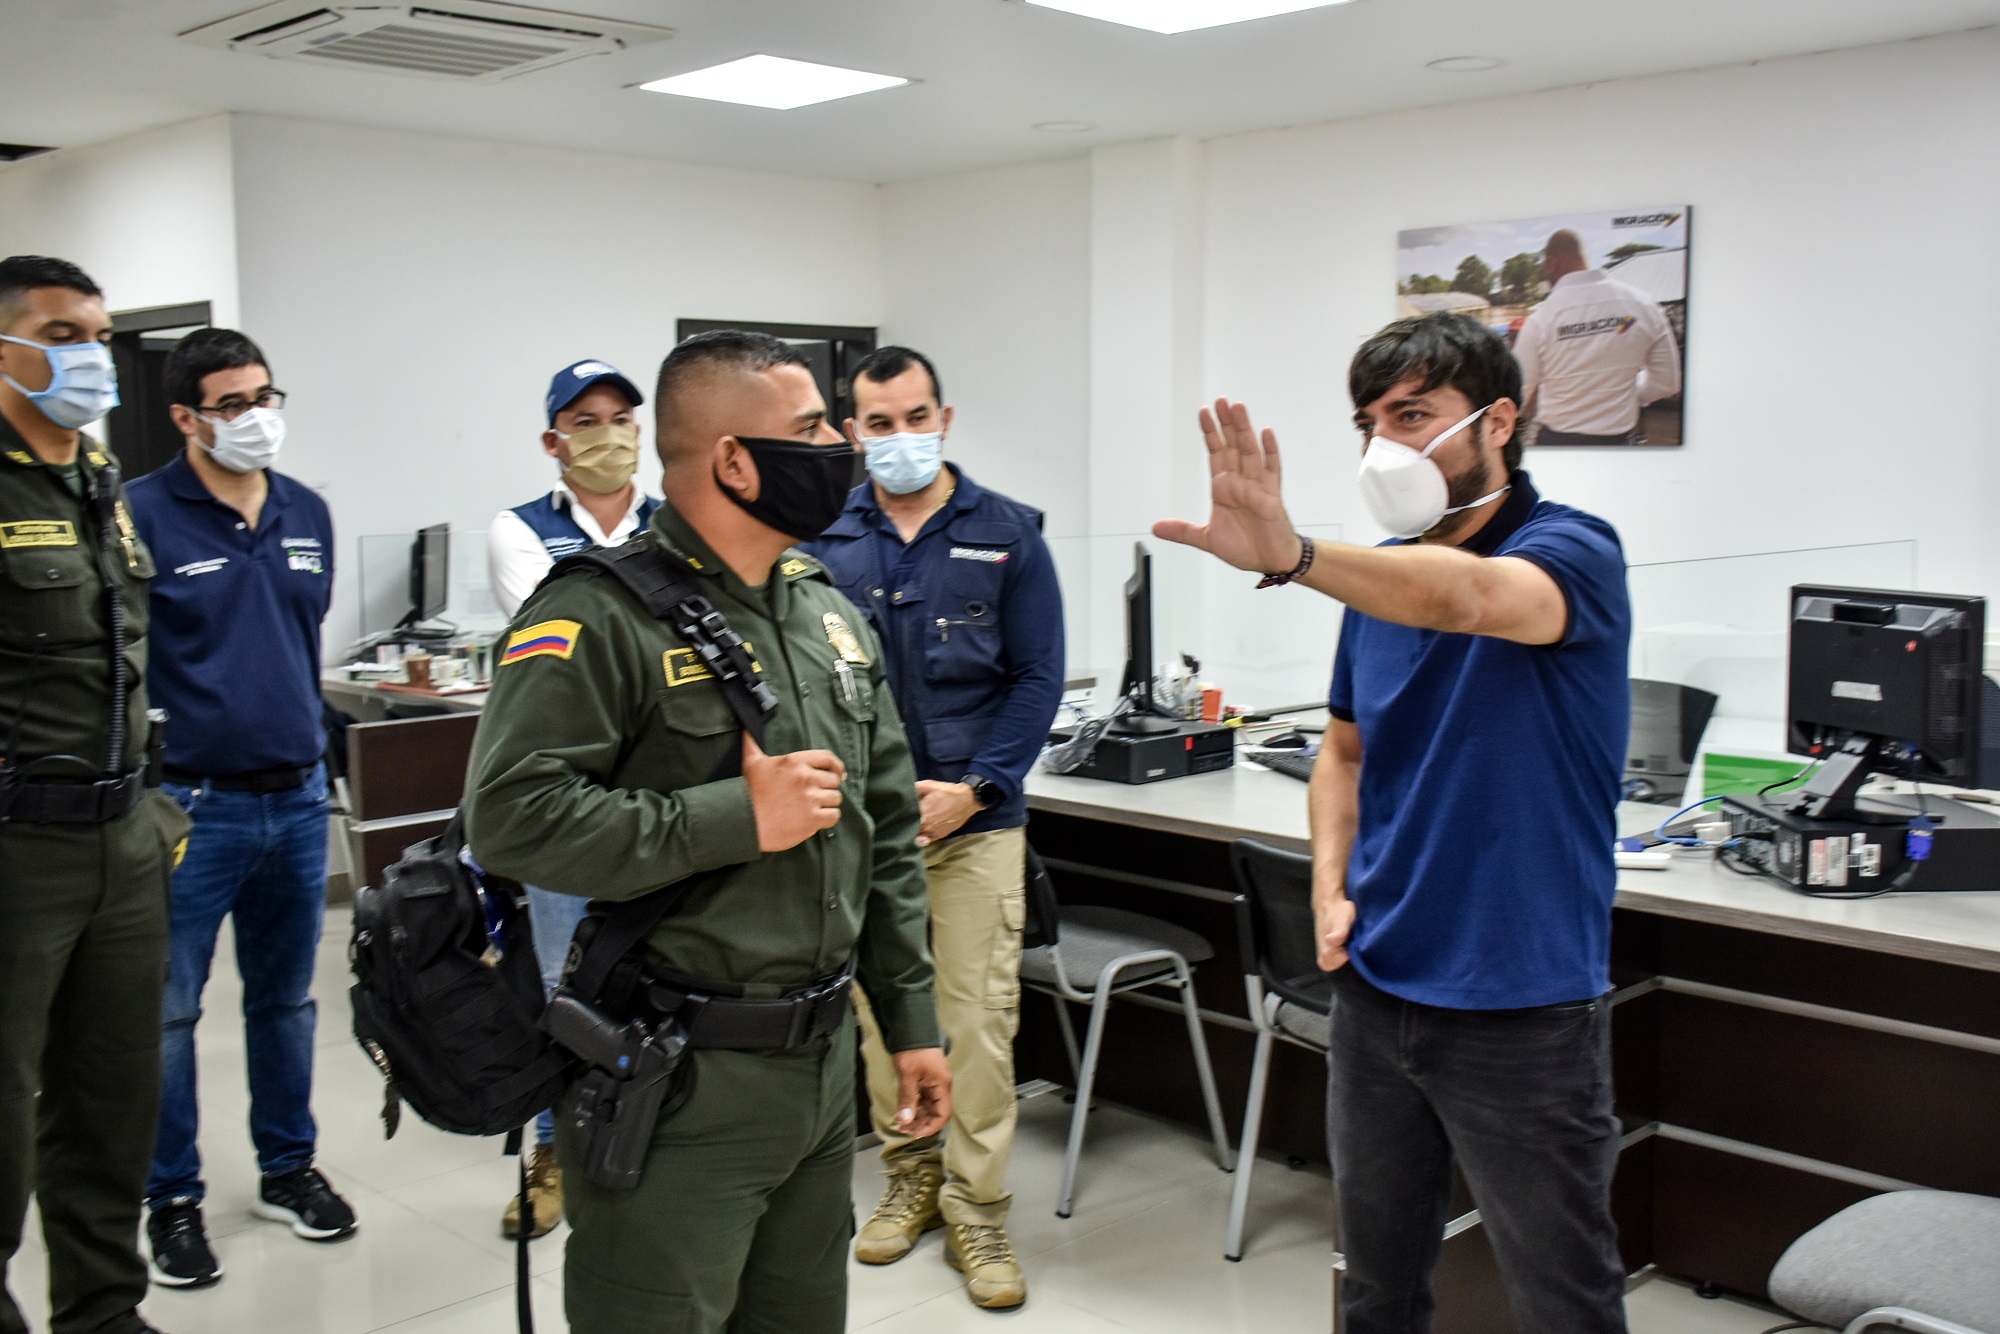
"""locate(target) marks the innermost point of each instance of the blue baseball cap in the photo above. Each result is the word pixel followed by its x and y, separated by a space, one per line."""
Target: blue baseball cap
pixel 572 380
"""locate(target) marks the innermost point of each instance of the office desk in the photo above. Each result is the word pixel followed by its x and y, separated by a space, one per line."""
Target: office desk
pixel 370 703
pixel 1777 1057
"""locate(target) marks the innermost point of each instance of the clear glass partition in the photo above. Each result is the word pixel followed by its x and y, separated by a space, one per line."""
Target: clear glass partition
pixel 385 572
pixel 1264 648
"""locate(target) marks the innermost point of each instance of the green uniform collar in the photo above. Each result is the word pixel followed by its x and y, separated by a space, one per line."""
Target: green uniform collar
pixel 678 538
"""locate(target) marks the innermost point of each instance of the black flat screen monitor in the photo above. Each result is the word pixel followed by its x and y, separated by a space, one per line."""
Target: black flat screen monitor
pixel 1890 682
pixel 430 573
pixel 1144 716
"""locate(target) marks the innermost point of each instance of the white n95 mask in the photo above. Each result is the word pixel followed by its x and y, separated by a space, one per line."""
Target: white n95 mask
pixel 1405 489
pixel 251 442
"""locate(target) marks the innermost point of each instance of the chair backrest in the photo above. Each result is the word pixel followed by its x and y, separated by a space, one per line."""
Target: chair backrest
pixel 1044 920
pixel 1276 917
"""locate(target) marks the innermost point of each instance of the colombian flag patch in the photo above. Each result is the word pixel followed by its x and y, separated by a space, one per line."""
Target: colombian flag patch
pixel 550 639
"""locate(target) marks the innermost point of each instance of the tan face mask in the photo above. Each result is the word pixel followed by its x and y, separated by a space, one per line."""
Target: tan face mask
pixel 602 458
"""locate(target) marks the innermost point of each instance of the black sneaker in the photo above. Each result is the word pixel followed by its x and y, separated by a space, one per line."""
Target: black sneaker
pixel 304 1200
pixel 181 1257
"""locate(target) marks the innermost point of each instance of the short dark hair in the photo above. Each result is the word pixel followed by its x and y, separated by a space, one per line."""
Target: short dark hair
pixel 886 363
pixel 1443 350
pixel 200 355
pixel 737 349
pixel 21 274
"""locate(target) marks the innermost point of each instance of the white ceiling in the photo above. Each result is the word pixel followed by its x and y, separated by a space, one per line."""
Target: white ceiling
pixel 80 71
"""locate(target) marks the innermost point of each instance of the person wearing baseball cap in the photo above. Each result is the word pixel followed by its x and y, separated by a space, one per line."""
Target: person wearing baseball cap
pixel 593 435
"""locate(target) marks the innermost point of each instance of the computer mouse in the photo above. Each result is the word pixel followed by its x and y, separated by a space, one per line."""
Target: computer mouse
pixel 1286 741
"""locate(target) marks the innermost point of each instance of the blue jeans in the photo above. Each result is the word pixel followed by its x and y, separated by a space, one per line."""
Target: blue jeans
pixel 1521 1100
pixel 261 858
pixel 554 917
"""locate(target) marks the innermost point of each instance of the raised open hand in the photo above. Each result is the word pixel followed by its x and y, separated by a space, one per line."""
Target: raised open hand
pixel 1247 524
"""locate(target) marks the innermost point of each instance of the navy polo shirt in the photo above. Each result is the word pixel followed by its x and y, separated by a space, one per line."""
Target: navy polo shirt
pixel 236 621
pixel 1482 873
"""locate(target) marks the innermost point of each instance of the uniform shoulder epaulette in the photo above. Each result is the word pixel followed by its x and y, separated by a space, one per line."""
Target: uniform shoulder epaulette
pixel 797 565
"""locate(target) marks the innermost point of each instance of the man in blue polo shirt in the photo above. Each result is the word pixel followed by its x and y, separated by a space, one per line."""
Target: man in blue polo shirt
pixel 1462 824
pixel 593 436
pixel 246 571
pixel 962 592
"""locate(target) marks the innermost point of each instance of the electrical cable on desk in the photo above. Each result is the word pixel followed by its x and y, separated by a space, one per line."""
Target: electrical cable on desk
pixel 1732 859
pixel 1806 772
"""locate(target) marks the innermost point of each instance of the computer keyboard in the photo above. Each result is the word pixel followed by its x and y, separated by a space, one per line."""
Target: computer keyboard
pixel 1291 763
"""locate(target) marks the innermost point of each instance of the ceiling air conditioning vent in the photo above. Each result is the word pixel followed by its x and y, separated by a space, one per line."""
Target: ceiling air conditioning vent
pixel 469 41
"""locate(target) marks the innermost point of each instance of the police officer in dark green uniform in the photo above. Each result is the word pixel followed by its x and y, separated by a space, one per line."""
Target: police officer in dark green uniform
pixel 594 773
pixel 85 846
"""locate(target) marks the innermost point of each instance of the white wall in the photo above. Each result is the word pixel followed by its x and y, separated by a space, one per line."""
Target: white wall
pixel 415 294
pixel 1841 339
pixel 150 217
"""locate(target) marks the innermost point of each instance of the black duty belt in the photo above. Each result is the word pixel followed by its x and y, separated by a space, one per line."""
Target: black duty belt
pixel 738 1023
pixel 52 801
pixel 279 778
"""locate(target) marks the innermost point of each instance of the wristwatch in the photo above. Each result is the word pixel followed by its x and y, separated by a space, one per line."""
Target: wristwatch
pixel 984 791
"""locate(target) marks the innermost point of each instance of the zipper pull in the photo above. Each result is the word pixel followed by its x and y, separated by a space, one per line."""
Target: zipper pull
pixel 846 675
pixel 944 630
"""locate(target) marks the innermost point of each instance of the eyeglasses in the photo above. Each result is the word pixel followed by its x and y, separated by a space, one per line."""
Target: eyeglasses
pixel 229 409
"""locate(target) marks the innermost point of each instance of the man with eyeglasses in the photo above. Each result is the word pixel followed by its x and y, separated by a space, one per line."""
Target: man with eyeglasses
pixel 246 571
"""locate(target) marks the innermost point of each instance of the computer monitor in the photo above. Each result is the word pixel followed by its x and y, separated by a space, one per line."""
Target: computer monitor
pixel 1144 716
pixel 430 574
pixel 1884 682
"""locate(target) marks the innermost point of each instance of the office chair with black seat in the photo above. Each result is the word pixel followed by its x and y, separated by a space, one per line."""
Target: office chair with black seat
pixel 1088 955
pixel 1291 1000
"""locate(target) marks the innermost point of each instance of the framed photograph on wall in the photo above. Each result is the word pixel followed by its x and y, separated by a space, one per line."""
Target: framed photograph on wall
pixel 1593 304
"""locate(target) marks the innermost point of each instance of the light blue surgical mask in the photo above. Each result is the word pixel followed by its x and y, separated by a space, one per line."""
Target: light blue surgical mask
pixel 904 462
pixel 83 384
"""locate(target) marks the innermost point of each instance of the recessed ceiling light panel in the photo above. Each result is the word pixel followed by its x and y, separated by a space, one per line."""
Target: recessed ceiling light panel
pixel 773 81
pixel 1465 64
pixel 1181 15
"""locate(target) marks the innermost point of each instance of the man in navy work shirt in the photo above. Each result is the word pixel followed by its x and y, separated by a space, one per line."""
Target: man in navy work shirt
pixel 960 587
pixel 245 558
pixel 1462 824
pixel 593 435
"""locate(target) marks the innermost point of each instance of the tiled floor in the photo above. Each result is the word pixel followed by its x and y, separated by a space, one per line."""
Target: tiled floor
pixel 1143 1251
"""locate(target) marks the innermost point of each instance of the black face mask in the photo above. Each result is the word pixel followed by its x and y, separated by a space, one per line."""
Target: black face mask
pixel 803 488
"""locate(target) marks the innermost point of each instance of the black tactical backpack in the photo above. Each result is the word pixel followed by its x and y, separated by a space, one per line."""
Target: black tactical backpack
pixel 448 996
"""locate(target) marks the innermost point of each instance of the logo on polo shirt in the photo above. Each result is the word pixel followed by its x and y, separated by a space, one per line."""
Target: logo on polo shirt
pixel 195 567
pixel 979 554
pixel 1611 324
pixel 1646 220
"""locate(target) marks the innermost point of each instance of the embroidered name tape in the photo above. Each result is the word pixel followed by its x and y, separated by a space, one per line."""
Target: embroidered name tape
pixel 684 665
pixel 38 533
pixel 550 639
pixel 978 553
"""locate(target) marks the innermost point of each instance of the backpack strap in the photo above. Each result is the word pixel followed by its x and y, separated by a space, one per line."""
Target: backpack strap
pixel 665 589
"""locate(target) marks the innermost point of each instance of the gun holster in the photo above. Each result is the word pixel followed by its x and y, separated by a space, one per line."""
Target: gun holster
pixel 630 1072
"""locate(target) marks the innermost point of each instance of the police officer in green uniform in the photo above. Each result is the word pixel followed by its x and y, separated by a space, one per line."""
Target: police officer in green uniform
pixel 594 773
pixel 85 846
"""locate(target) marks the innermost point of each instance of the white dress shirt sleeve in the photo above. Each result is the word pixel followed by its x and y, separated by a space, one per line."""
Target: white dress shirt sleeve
pixel 516 561
pixel 1660 377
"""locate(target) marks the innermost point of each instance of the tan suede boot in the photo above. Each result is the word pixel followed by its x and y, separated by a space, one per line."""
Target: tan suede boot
pixel 993 1277
pixel 909 1208
pixel 544 1192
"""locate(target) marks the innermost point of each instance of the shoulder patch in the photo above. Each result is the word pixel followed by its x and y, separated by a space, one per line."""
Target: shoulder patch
pixel 550 639
pixel 38 533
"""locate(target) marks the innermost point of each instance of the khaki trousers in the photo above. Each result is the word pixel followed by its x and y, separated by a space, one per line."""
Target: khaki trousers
pixel 978 905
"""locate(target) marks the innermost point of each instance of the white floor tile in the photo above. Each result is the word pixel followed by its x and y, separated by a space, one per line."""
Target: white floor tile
pixel 1143 1251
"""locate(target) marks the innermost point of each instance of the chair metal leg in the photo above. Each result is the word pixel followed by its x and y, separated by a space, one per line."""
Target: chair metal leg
pixel 1069 1039
pixel 1199 1041
pixel 1246 1156
pixel 1093 1045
